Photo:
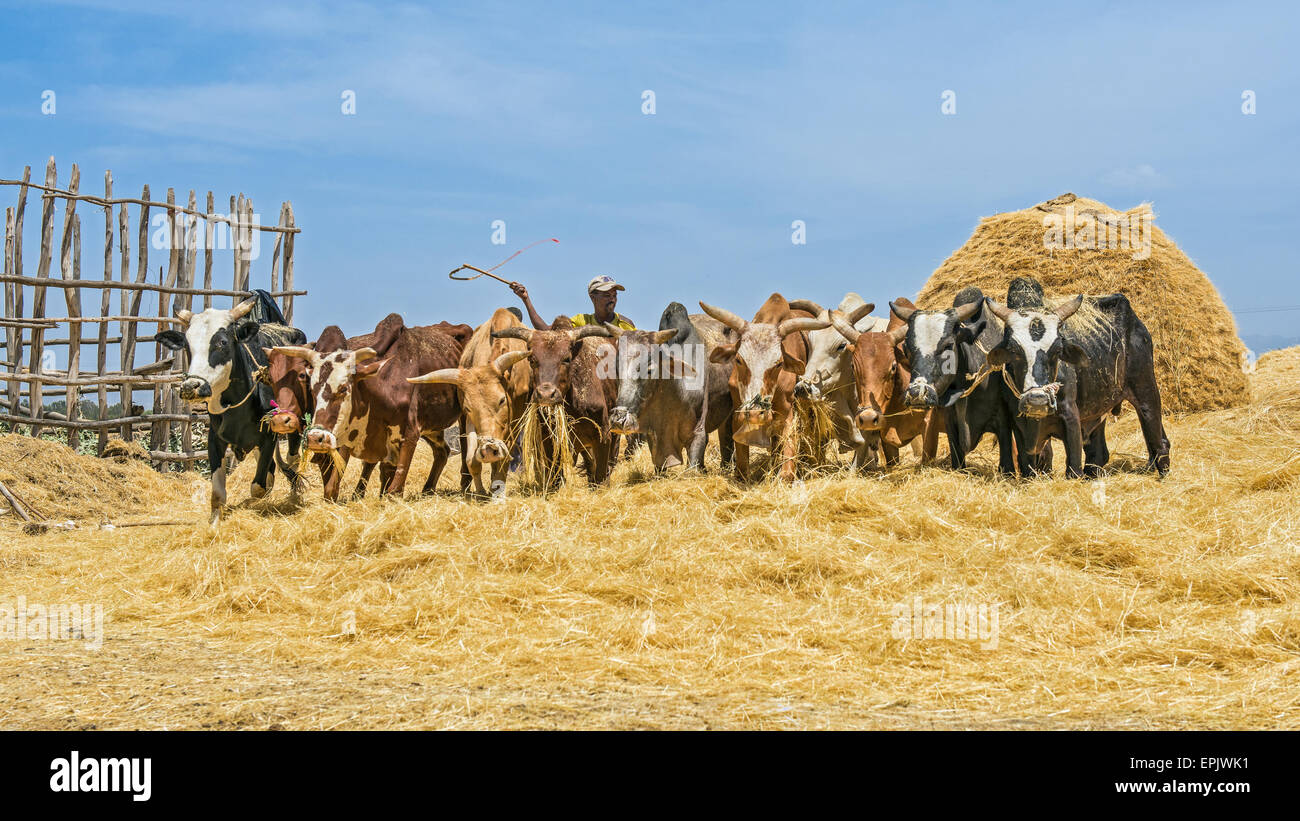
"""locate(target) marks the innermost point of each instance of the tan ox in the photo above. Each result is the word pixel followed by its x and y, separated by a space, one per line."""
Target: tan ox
pixel 492 382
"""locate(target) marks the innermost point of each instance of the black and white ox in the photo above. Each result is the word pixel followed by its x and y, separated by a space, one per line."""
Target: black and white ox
pixel 225 351
pixel 1067 379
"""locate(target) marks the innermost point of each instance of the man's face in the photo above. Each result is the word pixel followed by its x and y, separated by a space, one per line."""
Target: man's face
pixel 604 301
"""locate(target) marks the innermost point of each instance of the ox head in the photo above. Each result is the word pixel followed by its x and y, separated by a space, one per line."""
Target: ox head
pixel 646 360
pixel 334 377
pixel 763 354
pixel 876 370
pixel 485 399
pixel 1031 348
pixel 212 338
pixel 550 353
pixel 829 359
pixel 930 343
pixel 290 382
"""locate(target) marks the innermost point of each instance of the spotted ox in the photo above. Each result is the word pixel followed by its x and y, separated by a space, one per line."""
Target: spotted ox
pixel 366 407
pixel 1068 378
pixel 769 353
pixel 668 391
pixel 879 381
pixel 492 382
pixel 225 351
pixel 828 376
pixel 564 372
pixel 290 377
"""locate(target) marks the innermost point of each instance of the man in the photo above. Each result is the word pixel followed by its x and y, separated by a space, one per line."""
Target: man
pixel 603 291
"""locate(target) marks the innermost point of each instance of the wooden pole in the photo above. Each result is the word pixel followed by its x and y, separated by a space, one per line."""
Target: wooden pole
pixel 124 240
pixel 105 304
pixel 11 388
pixel 182 358
pixel 208 230
pixel 16 349
pixel 128 333
pixel 288 265
pixel 73 298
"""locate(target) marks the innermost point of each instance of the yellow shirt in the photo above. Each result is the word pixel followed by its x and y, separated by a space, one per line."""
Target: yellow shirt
pixel 590 319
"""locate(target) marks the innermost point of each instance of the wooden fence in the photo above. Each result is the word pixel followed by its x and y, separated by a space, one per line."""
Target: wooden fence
pixel 29 340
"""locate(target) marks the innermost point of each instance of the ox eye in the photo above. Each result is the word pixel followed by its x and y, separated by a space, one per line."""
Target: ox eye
pixel 841 347
pixel 501 402
pixel 302 376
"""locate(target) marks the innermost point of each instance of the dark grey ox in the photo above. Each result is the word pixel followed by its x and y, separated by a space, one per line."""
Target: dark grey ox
pixel 1067 379
pixel 669 391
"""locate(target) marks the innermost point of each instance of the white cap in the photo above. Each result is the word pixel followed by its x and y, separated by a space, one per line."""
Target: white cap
pixel 603 283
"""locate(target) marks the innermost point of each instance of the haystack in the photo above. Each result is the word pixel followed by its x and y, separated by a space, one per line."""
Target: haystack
pixel 1199 356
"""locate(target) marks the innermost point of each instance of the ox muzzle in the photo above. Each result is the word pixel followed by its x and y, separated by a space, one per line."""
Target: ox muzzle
pixel 320 440
pixel 548 394
pixel 869 419
pixel 491 450
pixel 1039 402
pixel 921 394
pixel 624 421
pixel 283 422
pixel 194 390
pixel 804 389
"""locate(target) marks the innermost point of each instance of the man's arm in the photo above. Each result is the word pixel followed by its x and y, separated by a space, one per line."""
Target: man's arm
pixel 522 292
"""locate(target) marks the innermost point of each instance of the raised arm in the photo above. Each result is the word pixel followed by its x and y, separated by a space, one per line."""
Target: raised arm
pixel 522 292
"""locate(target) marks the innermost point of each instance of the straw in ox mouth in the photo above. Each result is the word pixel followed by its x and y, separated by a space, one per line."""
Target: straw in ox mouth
pixel 535 424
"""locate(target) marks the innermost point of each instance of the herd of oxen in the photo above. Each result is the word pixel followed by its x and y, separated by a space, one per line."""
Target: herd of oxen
pixel 1018 370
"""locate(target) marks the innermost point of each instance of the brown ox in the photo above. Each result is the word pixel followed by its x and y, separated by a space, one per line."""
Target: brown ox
pixel 767 357
pixel 881 380
pixel 493 384
pixel 365 405
pixel 564 371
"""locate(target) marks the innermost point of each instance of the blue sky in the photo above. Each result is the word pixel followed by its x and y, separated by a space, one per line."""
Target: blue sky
pixel 765 114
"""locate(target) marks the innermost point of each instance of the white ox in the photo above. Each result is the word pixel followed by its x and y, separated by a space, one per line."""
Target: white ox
pixel 829 373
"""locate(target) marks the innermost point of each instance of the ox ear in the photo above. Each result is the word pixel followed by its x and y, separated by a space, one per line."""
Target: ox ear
pixel 445 376
pixel 1074 354
pixel 792 364
pixel 998 357
pixel 508 360
pixel 723 354
pixel 665 336
pixel 171 340
pixel 857 314
pixel 514 332
pixel 245 331
pixel 901 311
pixel 971 331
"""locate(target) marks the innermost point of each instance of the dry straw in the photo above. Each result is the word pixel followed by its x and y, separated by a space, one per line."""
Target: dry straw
pixel 1198 353
pixel 537 423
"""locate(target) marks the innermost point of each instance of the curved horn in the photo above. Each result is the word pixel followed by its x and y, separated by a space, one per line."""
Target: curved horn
pixel 665 336
pixel 898 334
pixel 801 323
pixel 241 310
pixel 444 376
pixel 507 360
pixel 807 305
pixel 295 351
pixel 966 311
pixel 613 329
pixel 725 317
pixel 900 311
pixel 589 330
pixel 514 332
pixel 845 327
pixel 1002 312
pixel 364 355
pixel 856 315
pixel 184 316
pixel 1067 309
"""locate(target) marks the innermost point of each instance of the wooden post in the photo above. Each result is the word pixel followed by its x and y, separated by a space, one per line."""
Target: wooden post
pixel 101 360
pixel 124 390
pixel 11 388
pixel 16 341
pixel 34 401
pixel 73 298
pixel 129 334
pixel 161 433
pixel 208 230
pixel 191 251
pixel 236 235
pixel 288 264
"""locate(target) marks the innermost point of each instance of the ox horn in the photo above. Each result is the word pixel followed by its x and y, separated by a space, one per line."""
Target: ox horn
pixel 856 315
pixel 898 334
pixel 295 351
pixel 845 327
pixel 184 316
pixel 902 312
pixel 801 323
pixel 807 305
pixel 665 336
pixel 241 310
pixel 1002 312
pixel 589 330
pixel 507 360
pixel 1067 309
pixel 613 329
pixel 725 317
pixel 364 355
pixel 443 376
pixel 967 311
pixel 514 332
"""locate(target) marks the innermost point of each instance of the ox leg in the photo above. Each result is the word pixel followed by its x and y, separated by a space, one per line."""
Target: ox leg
pixel 410 439
pixel 217 461
pixel 1096 454
pixel 469 468
pixel 742 461
pixel 335 476
pixel 789 452
pixel 363 481
pixel 891 453
pixel 726 444
pixel 1153 429
pixel 500 468
pixel 956 441
pixel 440 455
pixel 297 482
pixel 1073 441
pixel 934 420
pixel 265 465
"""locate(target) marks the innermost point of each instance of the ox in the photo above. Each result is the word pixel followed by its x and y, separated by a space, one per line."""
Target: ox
pixel 768 354
pixel 1066 380
pixel 667 389
pixel 365 405
pixel 225 351
pixel 492 383
pixel 828 376
pixel 879 383
pixel 566 371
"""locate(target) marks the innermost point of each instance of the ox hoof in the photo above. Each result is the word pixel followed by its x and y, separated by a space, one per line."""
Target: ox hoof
pixel 257 491
pixel 214 517
pixel 498 491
